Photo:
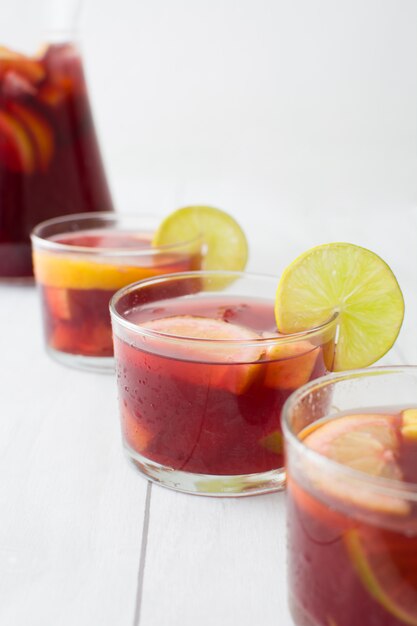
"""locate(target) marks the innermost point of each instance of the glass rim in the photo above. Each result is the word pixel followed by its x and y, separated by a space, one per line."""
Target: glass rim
pixel 54 246
pixel 387 486
pixel 146 332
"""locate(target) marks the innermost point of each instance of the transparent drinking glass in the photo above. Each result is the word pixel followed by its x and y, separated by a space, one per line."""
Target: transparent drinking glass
pixel 202 376
pixel 80 261
pixel 352 536
pixel 50 162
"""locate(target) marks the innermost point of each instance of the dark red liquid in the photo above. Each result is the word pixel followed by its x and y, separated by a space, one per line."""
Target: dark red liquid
pixel 348 566
pixel 77 321
pixel 50 163
pixel 208 417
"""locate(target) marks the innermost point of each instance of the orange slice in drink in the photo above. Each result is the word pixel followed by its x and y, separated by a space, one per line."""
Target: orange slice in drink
pixel 58 303
pixel 291 364
pixel 386 561
pixel 11 61
pixel 39 131
pixel 366 443
pixel 17 152
pixel 231 366
pixel 73 272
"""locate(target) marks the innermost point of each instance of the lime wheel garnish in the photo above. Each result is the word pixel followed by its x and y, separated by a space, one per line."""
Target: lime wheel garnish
pixel 225 241
pixel 353 282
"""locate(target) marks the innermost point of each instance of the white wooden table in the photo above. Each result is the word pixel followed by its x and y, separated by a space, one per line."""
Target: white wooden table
pixel 84 539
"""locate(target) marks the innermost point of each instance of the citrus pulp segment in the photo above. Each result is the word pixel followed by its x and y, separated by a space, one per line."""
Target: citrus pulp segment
pixel 291 365
pixel 226 244
pixel 76 273
pixel 239 367
pixel 213 332
pixel 409 424
pixel 353 282
pixel 367 443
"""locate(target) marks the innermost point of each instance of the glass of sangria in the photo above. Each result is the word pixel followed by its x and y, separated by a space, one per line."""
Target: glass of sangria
pixel 351 453
pixel 80 261
pixel 202 376
pixel 50 162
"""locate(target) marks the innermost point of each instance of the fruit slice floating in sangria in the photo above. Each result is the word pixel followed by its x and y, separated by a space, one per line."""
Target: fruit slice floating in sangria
pixel 355 518
pixel 50 163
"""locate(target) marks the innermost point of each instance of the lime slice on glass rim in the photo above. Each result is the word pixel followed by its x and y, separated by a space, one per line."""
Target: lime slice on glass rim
pixel 225 241
pixel 352 281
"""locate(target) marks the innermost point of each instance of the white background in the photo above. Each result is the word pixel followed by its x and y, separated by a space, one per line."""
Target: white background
pixel 302 104
pixel 297 116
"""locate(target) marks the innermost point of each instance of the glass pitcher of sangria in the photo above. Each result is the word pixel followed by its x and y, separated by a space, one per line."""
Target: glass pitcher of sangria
pixel 50 161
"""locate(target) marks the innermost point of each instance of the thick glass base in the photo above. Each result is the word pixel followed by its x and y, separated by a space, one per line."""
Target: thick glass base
pixel 101 365
pixel 208 484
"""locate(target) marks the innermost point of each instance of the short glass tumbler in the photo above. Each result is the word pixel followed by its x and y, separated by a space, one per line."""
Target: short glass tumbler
pixel 352 536
pixel 202 376
pixel 80 261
